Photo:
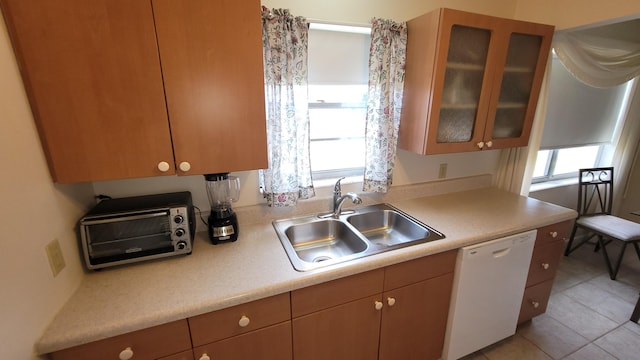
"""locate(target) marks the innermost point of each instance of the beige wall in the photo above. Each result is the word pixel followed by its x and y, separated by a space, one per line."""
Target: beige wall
pixel 37 211
pixel 34 211
pixel 571 13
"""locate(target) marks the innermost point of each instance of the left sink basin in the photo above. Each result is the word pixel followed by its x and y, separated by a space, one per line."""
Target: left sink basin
pixel 324 240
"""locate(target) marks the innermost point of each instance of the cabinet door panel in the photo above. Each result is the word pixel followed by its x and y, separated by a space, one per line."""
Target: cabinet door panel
pixel 346 332
pixel 211 55
pixel 92 74
pixel 414 327
pixel 271 343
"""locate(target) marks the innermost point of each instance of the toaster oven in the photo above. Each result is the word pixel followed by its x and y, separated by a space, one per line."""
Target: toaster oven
pixel 126 230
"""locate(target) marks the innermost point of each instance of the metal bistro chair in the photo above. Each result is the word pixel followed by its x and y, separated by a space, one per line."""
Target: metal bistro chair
pixel 595 196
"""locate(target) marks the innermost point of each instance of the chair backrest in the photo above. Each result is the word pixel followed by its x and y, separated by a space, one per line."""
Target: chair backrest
pixel 595 191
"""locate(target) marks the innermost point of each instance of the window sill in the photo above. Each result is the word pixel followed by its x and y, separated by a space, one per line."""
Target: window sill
pixel 552 184
pixel 326 183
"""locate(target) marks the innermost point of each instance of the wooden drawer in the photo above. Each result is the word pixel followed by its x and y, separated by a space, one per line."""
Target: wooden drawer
pixel 270 343
pixel 336 292
pixel 535 300
pixel 545 261
pixel 553 232
pixel 417 270
pixel 221 324
pixel 151 343
pixel 185 355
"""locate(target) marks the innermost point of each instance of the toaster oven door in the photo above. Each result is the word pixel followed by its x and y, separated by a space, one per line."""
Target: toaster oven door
pixel 124 239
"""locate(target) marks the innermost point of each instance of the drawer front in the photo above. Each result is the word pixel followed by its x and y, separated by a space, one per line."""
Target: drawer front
pixel 147 344
pixel 544 262
pixel 553 232
pixel 221 324
pixel 535 300
pixel 417 270
pixel 336 292
pixel 270 343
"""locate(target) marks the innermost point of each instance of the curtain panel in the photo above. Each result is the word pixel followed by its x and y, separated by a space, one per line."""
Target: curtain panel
pixel 285 44
pixel 387 60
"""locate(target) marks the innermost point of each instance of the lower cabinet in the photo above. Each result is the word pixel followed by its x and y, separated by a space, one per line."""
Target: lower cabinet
pixel 258 330
pixel 185 355
pixel 547 253
pixel 156 342
pixel 399 312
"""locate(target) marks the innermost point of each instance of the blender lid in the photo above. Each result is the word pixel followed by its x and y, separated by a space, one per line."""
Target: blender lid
pixel 216 177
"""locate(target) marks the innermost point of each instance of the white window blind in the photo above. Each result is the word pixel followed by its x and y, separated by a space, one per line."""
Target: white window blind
pixel 578 114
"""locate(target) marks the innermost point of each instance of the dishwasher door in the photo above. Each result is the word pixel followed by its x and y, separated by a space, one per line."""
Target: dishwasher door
pixel 489 283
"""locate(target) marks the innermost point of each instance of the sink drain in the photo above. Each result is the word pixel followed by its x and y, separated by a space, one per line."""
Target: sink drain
pixel 321 258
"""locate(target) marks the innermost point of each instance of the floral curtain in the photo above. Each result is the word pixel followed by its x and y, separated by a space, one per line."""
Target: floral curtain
pixel 387 59
pixel 285 41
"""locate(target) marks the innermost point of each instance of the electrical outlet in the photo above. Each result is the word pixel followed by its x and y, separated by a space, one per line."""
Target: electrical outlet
pixel 54 254
pixel 442 173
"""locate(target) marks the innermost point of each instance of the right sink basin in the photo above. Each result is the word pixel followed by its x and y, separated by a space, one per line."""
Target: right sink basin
pixel 312 242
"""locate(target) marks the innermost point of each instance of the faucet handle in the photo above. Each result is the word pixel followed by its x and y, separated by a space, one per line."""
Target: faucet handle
pixel 337 189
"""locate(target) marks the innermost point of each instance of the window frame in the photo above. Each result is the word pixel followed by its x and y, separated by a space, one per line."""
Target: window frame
pixel 551 163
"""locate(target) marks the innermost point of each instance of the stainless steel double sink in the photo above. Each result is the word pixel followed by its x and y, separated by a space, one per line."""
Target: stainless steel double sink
pixel 312 241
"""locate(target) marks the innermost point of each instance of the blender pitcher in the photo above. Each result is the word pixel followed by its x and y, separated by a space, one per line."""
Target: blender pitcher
pixel 222 190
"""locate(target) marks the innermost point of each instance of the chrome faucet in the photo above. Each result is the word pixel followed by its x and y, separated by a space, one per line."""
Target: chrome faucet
pixel 338 199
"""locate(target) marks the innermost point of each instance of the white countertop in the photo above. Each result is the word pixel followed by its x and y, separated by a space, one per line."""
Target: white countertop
pixel 120 300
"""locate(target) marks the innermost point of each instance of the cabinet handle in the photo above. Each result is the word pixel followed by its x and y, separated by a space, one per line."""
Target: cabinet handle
pixel 126 354
pixel 163 166
pixel 545 266
pixel 553 234
pixel 244 321
pixel 489 143
pixel 480 145
pixel 185 166
pixel 535 304
pixel 204 357
pixel 378 305
pixel 391 301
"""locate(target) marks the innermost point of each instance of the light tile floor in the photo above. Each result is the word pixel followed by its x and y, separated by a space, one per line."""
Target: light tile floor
pixel 587 317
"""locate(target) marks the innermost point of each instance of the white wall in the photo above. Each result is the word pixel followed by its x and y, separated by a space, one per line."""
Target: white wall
pixel 34 211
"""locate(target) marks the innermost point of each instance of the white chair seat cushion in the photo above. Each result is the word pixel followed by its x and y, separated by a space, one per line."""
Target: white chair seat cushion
pixel 612 226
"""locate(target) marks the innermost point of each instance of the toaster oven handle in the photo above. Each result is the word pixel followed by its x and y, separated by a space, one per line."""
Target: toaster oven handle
pixel 124 218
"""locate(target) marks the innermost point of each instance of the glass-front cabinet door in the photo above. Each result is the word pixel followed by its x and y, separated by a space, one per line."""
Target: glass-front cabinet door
pixel 518 84
pixel 472 82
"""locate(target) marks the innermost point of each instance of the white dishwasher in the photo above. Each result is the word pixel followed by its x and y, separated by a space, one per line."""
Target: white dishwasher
pixel 488 286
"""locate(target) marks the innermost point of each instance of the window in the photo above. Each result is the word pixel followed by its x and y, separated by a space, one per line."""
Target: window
pixel 581 125
pixel 338 86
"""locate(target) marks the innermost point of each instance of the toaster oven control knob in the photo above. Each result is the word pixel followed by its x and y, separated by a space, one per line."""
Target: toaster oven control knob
pixel 181 245
pixel 180 232
pixel 178 219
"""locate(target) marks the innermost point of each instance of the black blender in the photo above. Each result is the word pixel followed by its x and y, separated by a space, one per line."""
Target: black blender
pixel 222 190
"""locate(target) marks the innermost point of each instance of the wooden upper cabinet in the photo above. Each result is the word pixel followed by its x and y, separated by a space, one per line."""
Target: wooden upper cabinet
pixel 472 82
pixel 97 73
pixel 92 74
pixel 211 54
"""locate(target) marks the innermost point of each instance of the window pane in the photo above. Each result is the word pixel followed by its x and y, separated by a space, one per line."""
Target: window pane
pixel 542 161
pixel 337 154
pixel 570 160
pixel 337 123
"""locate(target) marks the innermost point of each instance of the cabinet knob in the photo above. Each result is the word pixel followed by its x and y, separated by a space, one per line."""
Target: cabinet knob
pixel 204 357
pixel 126 354
pixel 553 234
pixel 391 301
pixel 185 166
pixel 480 144
pixel 489 143
pixel 244 321
pixel 545 266
pixel 535 304
pixel 163 166
pixel 378 305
